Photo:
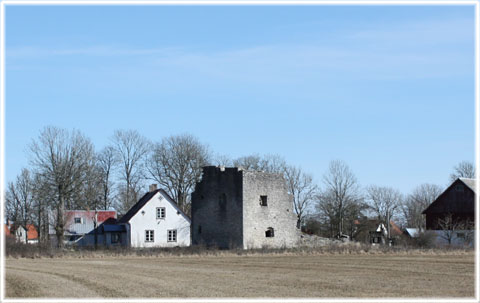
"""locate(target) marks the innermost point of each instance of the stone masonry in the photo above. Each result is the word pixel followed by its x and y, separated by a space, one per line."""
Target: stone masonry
pixel 234 208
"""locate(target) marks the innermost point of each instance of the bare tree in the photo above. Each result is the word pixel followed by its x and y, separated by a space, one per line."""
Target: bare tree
pixel 176 164
pixel 44 198
pixel 62 160
pixel 130 150
pixel 326 209
pixel 19 199
pixel 251 162
pixel 463 169
pixel 449 226
pixel 302 189
pixel 222 160
pixel 420 198
pixel 269 163
pixel 385 202
pixel 341 193
pixel 106 163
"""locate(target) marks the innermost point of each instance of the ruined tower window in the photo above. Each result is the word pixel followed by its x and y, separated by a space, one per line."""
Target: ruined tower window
pixel 222 202
pixel 269 233
pixel 263 200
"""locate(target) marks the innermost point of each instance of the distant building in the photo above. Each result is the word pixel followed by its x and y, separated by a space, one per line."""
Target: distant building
pixel 26 234
pixel 380 236
pixel 232 208
pixel 80 226
pixel 154 221
pixel 451 215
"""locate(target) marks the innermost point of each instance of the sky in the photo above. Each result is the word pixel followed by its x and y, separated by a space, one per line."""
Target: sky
pixel 387 89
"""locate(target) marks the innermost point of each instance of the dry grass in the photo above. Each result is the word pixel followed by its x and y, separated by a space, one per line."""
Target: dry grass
pixel 447 274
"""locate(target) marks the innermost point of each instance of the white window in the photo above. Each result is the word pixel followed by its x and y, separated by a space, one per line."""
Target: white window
pixel 149 236
pixel 160 212
pixel 78 220
pixel 172 235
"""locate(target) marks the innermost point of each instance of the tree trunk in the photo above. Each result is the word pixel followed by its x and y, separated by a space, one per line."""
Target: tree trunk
pixel 60 226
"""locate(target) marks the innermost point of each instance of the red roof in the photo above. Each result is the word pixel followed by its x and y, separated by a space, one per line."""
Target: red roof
pixel 7 230
pixel 102 215
pixel 32 233
pixel 395 229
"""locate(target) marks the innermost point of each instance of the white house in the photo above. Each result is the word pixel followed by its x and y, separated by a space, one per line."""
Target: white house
pixel 156 221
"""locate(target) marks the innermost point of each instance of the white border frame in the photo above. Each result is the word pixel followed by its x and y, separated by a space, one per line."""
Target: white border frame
pixel 474 3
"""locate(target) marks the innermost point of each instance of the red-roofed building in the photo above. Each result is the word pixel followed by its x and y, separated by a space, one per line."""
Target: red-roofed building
pixel 26 234
pixel 80 226
pixel 32 233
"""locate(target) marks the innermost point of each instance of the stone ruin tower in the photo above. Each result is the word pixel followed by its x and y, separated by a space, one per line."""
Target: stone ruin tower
pixel 235 208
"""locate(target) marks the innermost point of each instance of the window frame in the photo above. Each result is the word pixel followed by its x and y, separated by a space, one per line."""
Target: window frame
pixel 149 236
pixel 172 235
pixel 160 213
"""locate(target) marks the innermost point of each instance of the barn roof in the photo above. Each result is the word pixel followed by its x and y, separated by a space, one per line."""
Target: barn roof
pixel 147 197
pixel 470 183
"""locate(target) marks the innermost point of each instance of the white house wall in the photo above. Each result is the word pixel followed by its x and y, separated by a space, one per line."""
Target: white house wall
pixel 146 219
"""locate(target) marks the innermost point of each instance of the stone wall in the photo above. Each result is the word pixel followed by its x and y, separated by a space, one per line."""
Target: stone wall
pixel 226 210
pixel 278 214
pixel 217 208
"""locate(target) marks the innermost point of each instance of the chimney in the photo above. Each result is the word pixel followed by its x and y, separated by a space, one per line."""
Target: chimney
pixel 153 187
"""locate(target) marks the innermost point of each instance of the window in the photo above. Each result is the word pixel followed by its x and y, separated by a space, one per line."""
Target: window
pixel 461 235
pixel 199 229
pixel 160 212
pixel 459 188
pixel 263 200
pixel 149 236
pixel 269 233
pixel 172 235
pixel 115 238
pixel 78 220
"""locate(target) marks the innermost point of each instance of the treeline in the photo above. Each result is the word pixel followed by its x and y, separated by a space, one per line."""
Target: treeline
pixel 67 172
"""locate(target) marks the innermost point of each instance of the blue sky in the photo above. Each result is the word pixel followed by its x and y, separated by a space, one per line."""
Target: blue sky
pixel 388 89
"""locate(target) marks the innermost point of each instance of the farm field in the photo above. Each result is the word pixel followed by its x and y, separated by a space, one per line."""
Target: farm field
pixel 254 276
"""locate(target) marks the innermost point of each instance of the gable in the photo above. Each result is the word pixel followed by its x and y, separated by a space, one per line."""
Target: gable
pixel 458 198
pixel 153 197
